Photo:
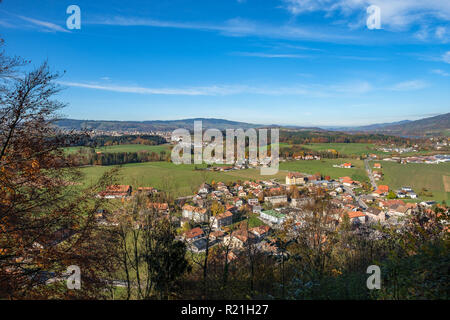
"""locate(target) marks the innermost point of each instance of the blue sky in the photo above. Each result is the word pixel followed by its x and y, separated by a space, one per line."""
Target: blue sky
pixel 297 62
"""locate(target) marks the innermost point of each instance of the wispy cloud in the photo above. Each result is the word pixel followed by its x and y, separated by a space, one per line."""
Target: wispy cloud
pixel 197 91
pixel 446 57
pixel 409 85
pixel 236 27
pixel 440 72
pixel 270 55
pixel 45 25
pixel 310 90
pixel 396 15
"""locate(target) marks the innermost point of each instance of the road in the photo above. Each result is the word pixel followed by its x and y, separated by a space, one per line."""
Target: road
pixel 370 174
pixel 361 203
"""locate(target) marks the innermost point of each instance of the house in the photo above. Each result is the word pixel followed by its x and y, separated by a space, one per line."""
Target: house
pixel 194 213
pixel 221 186
pixel 273 216
pixel 356 217
pixel 428 203
pixel 398 210
pixel 276 199
pixel 194 234
pixel 401 194
pixel 261 231
pixel 347 165
pixel 377 165
pixel 238 202
pixel 346 181
pixel 204 188
pixel 256 209
pixel 299 202
pixel 198 245
pixel 388 203
pixel 216 235
pixel 253 202
pixel 412 195
pixel 375 215
pixel 242 194
pixel 381 190
pixel 222 220
pixel 147 190
pixel 239 239
pixel 294 178
pixel 159 207
pixel 116 191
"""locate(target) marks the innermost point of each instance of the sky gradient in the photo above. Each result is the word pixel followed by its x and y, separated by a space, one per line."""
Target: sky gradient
pixel 290 62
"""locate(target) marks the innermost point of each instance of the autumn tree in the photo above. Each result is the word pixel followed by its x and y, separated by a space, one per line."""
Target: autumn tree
pixel 47 219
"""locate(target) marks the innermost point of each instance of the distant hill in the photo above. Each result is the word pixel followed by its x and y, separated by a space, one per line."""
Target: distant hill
pixel 152 125
pixel 433 126
pixel 165 125
pixel 438 125
pixel 370 127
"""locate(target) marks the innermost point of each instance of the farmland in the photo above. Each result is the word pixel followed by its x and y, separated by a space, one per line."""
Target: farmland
pixel 345 148
pixel 184 179
pixel 418 176
pixel 125 148
pixel 180 180
pixel 325 167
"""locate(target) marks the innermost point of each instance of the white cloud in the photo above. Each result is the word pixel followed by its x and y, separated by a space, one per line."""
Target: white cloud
pixel 396 14
pixel 270 55
pixel 409 85
pixel 310 90
pixel 48 26
pixel 236 27
pixel 440 72
pixel 442 34
pixel 446 57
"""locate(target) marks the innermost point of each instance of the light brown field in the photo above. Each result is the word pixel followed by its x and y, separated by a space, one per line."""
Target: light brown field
pixel 446 180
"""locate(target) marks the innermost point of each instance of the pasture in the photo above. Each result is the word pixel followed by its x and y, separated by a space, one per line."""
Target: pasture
pixel 345 148
pixel 180 180
pixel 325 167
pixel 125 148
pixel 418 175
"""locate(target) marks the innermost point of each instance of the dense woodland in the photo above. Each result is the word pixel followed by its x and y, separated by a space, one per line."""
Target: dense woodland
pixel 305 137
pixel 105 140
pixel 88 156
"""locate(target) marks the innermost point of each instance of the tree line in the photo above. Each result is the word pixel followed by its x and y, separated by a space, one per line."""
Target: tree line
pixel 88 156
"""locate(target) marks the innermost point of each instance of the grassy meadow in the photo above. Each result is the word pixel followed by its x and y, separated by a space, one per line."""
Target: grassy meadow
pixel 183 180
pixel 125 148
pixel 180 180
pixel 325 167
pixel 417 176
pixel 345 148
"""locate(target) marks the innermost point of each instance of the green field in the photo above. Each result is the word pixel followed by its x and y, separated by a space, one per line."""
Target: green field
pixel 180 180
pixel 325 167
pixel 417 176
pixel 125 148
pixel 345 148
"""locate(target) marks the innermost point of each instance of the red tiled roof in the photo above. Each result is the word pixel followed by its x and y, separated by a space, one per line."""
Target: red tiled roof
pixel 194 233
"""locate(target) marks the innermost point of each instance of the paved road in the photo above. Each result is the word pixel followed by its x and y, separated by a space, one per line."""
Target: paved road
pixel 370 174
pixel 361 203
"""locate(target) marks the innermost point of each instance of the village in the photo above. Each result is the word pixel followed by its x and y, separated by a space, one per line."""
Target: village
pixel 239 214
